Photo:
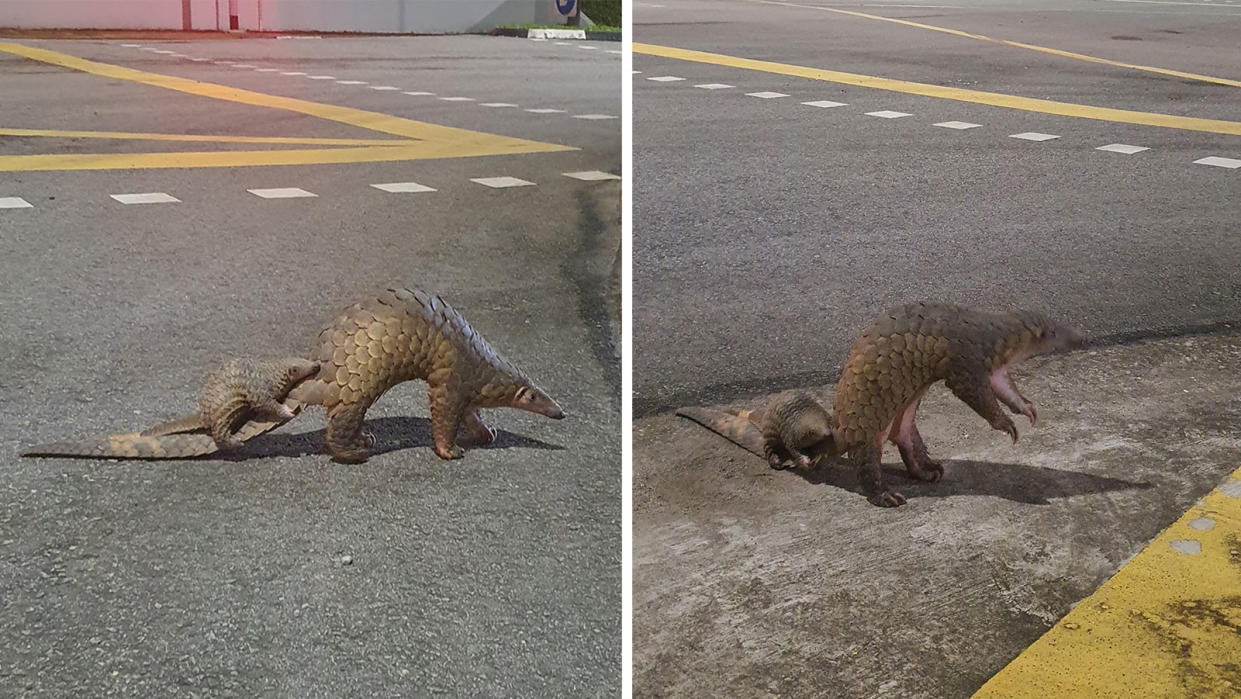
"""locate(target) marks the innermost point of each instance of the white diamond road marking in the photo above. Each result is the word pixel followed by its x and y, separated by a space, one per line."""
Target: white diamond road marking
pixel 291 72
pixel 457 99
pixel 418 94
pixel 825 104
pixel 593 116
pixel 501 182
pixel 1217 161
pixel 384 88
pixel 15 203
pixel 146 198
pixel 397 187
pixel 591 175
pixel 766 95
pixel 888 114
pixel 665 79
pixel 958 125
pixel 281 193
pixel 351 82
pixel 545 110
pixel 714 86
pixel 496 104
pixel 1122 148
pixel 1034 136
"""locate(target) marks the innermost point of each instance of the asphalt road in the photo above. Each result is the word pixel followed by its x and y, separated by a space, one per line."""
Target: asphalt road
pixel 285 574
pixel 767 232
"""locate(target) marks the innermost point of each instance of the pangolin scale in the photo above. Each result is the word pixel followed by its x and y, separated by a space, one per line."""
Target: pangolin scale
pixel 383 339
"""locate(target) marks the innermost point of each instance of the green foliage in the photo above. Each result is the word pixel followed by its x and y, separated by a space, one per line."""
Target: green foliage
pixel 606 12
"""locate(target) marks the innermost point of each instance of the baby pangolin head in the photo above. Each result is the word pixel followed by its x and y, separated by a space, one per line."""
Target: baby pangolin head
pixel 298 370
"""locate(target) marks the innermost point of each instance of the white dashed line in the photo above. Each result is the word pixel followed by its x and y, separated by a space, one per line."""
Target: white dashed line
pixel 1122 148
pixel 146 198
pixel 1034 136
pixel 399 187
pixel 501 182
pixel 665 79
pixel 591 175
pixel 457 99
pixel 291 72
pixel 14 203
pixel 614 51
pixel 163 51
pixel 419 94
pixel 563 43
pixel 131 46
pixel 958 125
pixel 222 63
pixel 244 65
pixel 351 82
pixel 1231 163
pixel 888 114
pixel 636 72
pixel 825 104
pixel 202 60
pixel 595 117
pixel 281 193
pixel 766 95
pixel 545 110
pixel 714 86
pixel 589 48
pixel 321 77
pixel 496 104
pixel 384 88
pixel 266 70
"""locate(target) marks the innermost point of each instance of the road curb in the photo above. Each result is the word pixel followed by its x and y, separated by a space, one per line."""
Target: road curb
pixel 557 34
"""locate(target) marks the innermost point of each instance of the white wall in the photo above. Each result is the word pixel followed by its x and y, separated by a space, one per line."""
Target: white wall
pixel 420 16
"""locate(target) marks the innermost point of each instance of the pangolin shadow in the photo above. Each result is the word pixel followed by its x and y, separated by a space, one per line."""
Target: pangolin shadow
pixel 391 434
pixel 1030 485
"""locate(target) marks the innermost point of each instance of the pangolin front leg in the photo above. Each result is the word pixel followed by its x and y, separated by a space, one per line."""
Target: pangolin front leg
pixel 477 431
pixel 868 460
pixel 974 389
pixel 447 411
pixel 347 439
pixel 904 435
pixel 1006 391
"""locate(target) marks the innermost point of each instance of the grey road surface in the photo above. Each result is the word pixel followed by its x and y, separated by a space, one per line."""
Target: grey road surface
pixel 769 231
pixel 278 572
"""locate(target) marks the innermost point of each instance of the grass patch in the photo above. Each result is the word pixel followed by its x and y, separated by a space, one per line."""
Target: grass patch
pixel 605 12
pixel 591 28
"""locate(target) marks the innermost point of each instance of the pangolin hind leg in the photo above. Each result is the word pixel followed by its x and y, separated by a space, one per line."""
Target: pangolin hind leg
pixel 868 460
pixel 347 439
pixel 913 451
pixel 1006 391
pixel 477 431
pixel 974 389
pixel 447 411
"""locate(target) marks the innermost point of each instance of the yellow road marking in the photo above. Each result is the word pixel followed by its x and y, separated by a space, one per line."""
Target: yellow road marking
pixel 195 138
pixel 993 99
pixel 1017 44
pixel 1166 625
pixel 426 140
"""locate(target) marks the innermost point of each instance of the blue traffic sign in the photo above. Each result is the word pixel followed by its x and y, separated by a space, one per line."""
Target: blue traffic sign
pixel 565 7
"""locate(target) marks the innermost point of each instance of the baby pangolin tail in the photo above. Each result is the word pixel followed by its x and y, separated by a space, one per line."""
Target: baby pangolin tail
pixel 737 427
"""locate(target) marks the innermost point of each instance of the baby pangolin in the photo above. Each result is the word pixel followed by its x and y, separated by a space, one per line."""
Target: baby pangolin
pixel 241 390
pixel 789 429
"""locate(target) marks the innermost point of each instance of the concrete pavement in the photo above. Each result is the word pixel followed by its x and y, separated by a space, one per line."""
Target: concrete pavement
pixel 780 205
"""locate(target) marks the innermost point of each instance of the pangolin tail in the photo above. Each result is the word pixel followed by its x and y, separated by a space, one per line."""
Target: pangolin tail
pixel 737 427
pixel 182 438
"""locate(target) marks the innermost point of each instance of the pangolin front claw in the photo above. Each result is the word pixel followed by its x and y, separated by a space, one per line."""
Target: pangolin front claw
pixel 888 498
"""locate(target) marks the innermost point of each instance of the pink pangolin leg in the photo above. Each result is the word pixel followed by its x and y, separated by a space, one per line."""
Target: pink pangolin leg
pixel 1008 394
pixel 904 434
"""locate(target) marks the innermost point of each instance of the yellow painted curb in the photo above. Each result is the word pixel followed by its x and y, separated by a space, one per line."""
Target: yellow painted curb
pixel 1168 624
pixel 993 99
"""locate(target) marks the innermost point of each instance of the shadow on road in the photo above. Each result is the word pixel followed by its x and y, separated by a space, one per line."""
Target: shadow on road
pixel 391 434
pixel 1032 485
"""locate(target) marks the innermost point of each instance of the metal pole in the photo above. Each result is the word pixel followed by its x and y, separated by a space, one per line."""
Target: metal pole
pixel 217 15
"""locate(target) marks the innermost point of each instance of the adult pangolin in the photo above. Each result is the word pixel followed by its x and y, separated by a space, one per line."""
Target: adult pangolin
pixel 896 359
pixel 383 339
